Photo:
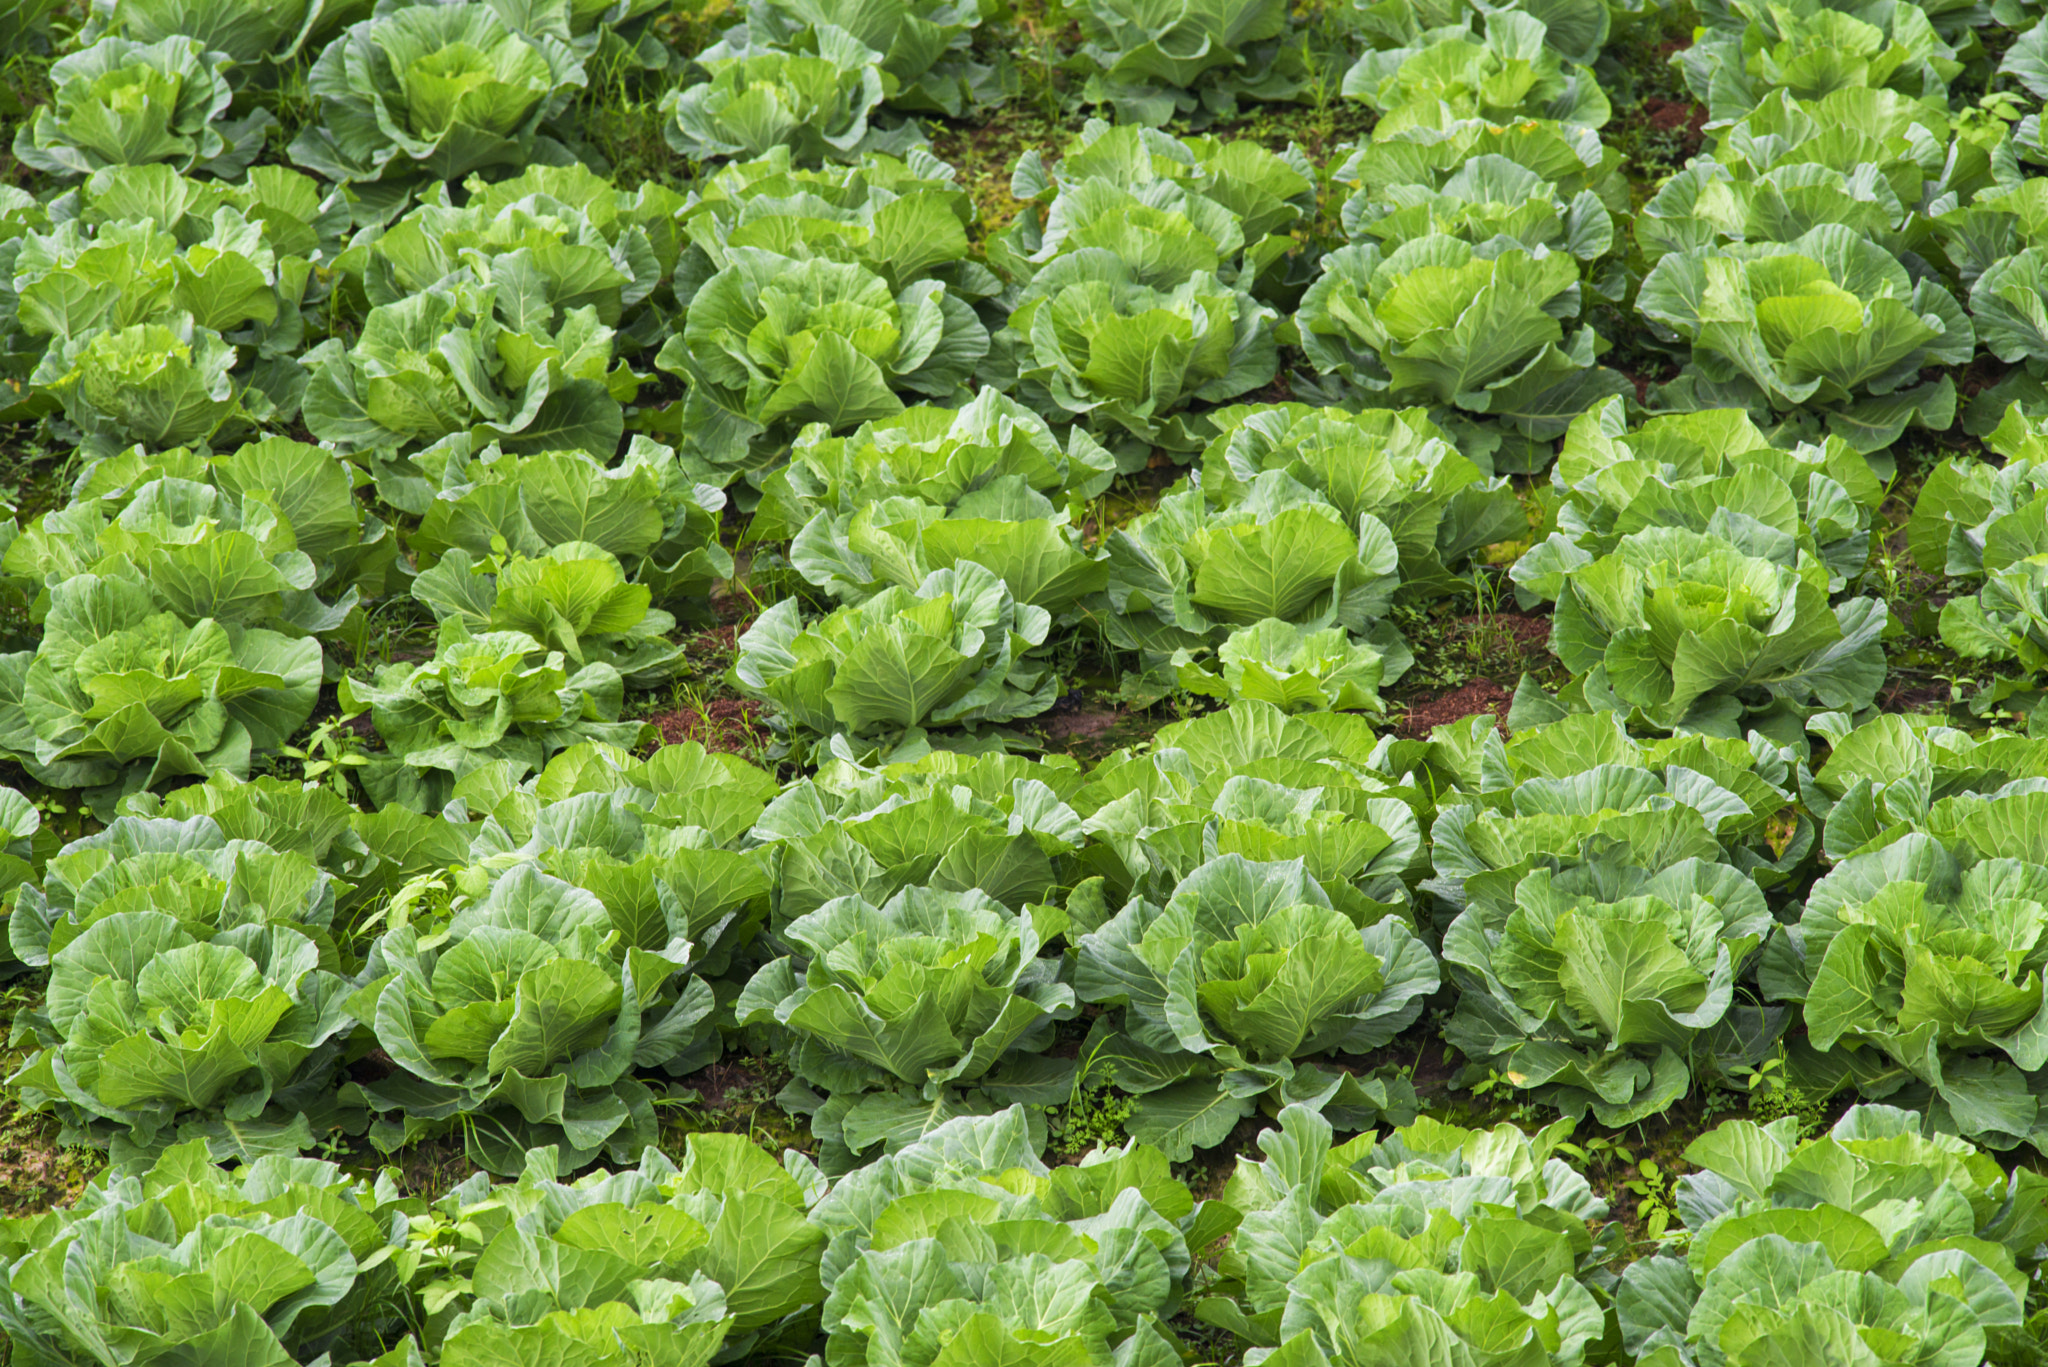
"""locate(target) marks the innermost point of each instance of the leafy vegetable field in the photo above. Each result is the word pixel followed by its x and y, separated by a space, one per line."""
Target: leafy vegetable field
pixel 924 683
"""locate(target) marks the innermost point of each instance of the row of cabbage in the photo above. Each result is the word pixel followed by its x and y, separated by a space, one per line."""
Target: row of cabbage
pixel 1871 1244
pixel 1810 266
pixel 1235 918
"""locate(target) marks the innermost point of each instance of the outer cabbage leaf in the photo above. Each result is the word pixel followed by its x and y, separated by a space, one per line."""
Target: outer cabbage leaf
pixel 126 103
pixel 1227 991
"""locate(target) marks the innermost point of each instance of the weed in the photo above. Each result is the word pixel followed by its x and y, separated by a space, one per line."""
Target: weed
pixel 620 119
pixel 330 753
pixel 1780 1097
pixel 37 1171
pixel 1655 1203
pixel 733 1096
pixel 1093 1116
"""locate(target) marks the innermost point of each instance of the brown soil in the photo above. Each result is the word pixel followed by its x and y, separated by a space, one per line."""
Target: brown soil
pixel 1281 390
pixel 733 725
pixel 714 647
pixel 1480 695
pixel 1529 633
pixel 432 1166
pixel 1642 381
pixel 1083 723
pixel 1682 117
pixel 725 1083
pixel 35 1174
pixel 1983 372
pixel 1902 697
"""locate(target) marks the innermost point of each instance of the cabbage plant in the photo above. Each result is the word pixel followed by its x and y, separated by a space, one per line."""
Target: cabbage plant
pixel 573 598
pixel 469 356
pixel 254 33
pixel 149 382
pixel 1167 206
pixel 285 1259
pixel 905 218
pixel 1035 549
pixel 921 491
pixel 1531 182
pixel 1973 518
pixel 1828 324
pixel 670 1260
pixel 268 536
pixel 1394 465
pixel 1708 205
pixel 433 92
pixel 646 511
pixel 872 831
pixel 925 47
pixel 2007 620
pixel 1250 780
pixel 1495 64
pixel 171 312
pixel 1296 669
pixel 1232 988
pixel 1899 772
pixel 1075 1262
pixel 1795 1245
pixel 187 996
pixel 890 1012
pixel 1090 340
pixel 1474 329
pixel 1809 50
pixel 520 1022
pixel 1993 224
pixel 1980 798
pixel 656 841
pixel 1921 973
pixel 598 1270
pixel 604 34
pixel 121 695
pixel 818 101
pixel 1707 631
pixel 1475 1243
pixel 1186 573
pixel 1189 57
pixel 991 447
pixel 954 649
pixel 1886 166
pixel 776 341
pixel 1684 469
pixel 483 697
pixel 125 103
pixel 2009 303
pixel 1580 795
pixel 562 233
pixel 1601 984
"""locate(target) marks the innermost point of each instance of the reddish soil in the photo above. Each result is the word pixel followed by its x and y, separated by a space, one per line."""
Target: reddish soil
pixel 1281 390
pixel 1480 695
pixel 1983 372
pixel 1082 724
pixel 1643 382
pixel 733 725
pixel 714 647
pixel 1528 632
pixel 1683 117
pixel 719 1084
pixel 1901 697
